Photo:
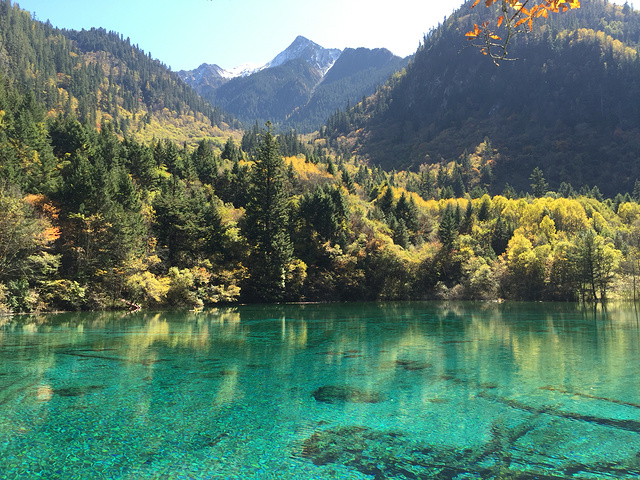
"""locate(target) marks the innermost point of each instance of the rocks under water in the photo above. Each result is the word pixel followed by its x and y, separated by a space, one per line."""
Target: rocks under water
pixel 77 391
pixel 392 455
pixel 345 393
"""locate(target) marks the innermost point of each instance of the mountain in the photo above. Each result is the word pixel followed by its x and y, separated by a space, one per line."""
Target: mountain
pixel 269 94
pixel 100 77
pixel 319 58
pixel 92 216
pixel 207 76
pixel 356 73
pixel 568 104
pixel 299 88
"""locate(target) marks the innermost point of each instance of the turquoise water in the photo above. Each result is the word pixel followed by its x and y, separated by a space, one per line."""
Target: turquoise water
pixel 356 391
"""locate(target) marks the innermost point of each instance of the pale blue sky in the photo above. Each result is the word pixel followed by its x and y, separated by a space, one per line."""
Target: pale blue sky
pixel 185 33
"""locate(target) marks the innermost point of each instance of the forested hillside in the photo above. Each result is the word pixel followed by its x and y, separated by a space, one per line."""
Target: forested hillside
pixel 97 218
pixel 89 221
pixel 101 78
pixel 272 93
pixel 356 74
pixel 568 104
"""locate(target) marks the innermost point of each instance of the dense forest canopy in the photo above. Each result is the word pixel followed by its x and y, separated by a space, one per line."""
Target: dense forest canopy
pixel 567 105
pixel 494 37
pixel 96 218
pixel 100 77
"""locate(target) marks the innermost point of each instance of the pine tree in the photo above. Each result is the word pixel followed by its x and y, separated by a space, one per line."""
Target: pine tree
pixel 636 191
pixel 205 162
pixel 407 211
pixel 427 189
pixel 448 230
pixel 539 185
pixel 348 183
pixel 266 224
pixel 500 236
pixel 385 203
pixel 230 151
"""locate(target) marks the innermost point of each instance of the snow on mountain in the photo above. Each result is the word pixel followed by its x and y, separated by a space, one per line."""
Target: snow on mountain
pixel 206 72
pixel 317 56
pixel 302 85
pixel 242 70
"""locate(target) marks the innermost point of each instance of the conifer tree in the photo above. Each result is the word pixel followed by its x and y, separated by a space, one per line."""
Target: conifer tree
pixel 636 191
pixel 407 211
pixel 266 223
pixel 204 162
pixel 386 202
pixel 448 230
pixel 230 151
pixel 539 185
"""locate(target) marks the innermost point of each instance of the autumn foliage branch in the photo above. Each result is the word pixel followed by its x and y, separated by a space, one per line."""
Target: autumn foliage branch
pixel 516 17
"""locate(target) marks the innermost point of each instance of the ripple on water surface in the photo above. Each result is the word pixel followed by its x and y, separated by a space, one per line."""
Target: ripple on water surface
pixel 394 391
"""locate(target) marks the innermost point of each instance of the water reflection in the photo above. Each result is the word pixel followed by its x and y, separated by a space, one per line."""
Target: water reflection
pixel 150 394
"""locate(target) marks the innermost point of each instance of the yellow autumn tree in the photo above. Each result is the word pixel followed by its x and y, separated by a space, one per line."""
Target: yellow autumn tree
pixel 493 38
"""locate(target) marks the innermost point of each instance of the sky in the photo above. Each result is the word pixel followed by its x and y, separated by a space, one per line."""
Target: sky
pixel 184 34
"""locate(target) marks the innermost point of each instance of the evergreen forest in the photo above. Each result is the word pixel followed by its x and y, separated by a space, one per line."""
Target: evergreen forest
pixel 120 188
pixel 566 103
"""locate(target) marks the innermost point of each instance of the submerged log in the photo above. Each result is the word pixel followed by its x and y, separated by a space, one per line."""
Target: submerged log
pixel 622 424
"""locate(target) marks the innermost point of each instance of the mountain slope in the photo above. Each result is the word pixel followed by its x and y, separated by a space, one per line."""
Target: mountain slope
pixel 270 94
pixel 300 87
pixel 319 58
pixel 207 77
pixel 100 77
pixel 355 74
pixel 569 105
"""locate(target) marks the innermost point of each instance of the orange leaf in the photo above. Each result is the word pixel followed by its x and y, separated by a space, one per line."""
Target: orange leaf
pixel 488 3
pixel 475 3
pixel 494 37
pixel 520 22
pixel 500 20
pixel 476 31
pixel 51 234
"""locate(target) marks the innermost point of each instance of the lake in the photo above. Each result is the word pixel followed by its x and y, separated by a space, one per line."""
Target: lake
pixel 348 391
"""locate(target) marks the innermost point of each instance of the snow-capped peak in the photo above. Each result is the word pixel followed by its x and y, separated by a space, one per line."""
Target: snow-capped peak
pixel 241 70
pixel 303 48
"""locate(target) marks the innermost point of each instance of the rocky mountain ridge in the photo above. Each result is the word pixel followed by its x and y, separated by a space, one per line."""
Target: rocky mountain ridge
pixel 318 57
pixel 300 87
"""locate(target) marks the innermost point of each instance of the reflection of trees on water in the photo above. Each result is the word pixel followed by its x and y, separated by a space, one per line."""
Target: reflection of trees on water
pixel 510 362
pixel 492 378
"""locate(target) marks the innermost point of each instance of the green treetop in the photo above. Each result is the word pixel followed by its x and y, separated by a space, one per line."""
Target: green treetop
pixel 266 225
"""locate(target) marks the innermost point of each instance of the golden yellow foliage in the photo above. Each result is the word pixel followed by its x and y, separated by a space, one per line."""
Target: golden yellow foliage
pixel 306 170
pixel 607 43
pixel 629 212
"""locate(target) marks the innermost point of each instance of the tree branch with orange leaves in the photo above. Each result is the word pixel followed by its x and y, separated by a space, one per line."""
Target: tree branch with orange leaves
pixel 516 17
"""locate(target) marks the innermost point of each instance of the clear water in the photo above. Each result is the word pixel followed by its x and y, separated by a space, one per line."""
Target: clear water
pixel 364 391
